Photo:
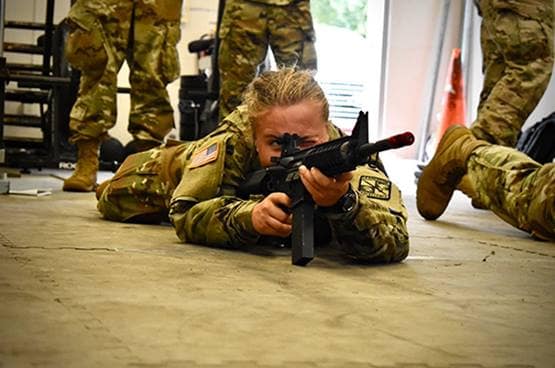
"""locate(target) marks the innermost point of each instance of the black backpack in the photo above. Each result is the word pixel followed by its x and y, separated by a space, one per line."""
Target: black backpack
pixel 538 141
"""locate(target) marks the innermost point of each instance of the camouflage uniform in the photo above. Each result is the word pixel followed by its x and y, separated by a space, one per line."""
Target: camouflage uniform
pixel 98 44
pixel 517 46
pixel 196 182
pixel 248 27
pixel 516 188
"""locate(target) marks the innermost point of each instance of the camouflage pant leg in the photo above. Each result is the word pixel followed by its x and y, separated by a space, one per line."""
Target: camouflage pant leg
pixel 153 66
pixel 292 35
pixel 516 188
pixel 246 32
pixel 137 192
pixel 518 61
pixel 96 46
pixel 243 46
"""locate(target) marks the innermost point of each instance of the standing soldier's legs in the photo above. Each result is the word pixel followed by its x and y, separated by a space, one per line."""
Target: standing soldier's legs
pixel 493 65
pixel 516 188
pixel 153 65
pixel 96 47
pixel 292 35
pixel 243 46
pixel 513 87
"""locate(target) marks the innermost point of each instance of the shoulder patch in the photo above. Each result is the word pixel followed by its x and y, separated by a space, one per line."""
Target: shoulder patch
pixel 204 155
pixel 375 187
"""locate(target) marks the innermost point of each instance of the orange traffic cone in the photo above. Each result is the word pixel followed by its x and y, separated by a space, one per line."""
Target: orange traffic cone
pixel 453 104
pixel 452 108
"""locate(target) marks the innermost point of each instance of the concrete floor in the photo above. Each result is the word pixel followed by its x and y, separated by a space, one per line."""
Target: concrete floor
pixel 78 291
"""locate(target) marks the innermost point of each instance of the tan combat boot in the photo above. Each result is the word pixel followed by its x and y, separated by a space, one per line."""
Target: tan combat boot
pixel 83 178
pixel 441 176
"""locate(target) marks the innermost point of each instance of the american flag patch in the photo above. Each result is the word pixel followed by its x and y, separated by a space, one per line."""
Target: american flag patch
pixel 204 155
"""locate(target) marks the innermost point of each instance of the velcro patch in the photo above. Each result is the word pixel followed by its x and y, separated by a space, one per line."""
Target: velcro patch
pixel 204 155
pixel 374 187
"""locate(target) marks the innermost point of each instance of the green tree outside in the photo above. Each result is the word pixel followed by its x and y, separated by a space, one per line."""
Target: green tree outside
pixel 350 14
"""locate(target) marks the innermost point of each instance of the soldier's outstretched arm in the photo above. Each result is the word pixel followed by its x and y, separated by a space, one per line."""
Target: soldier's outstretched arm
pixel 221 222
pixel 231 222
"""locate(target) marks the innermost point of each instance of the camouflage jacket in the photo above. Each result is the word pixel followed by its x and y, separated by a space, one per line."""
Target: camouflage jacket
pixel 204 207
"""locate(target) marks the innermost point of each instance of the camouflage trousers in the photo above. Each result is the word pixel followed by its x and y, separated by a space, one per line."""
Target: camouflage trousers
pixel 142 188
pixel 246 32
pixel 517 47
pixel 516 188
pixel 104 34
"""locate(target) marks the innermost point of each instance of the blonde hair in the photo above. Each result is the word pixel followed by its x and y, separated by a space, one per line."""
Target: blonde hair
pixel 284 87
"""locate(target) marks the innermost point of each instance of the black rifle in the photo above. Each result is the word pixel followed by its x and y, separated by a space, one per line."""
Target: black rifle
pixel 331 158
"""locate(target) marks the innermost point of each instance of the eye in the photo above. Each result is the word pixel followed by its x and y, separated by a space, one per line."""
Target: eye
pixel 307 143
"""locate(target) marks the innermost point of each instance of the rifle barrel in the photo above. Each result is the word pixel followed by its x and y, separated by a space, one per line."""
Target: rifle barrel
pixel 396 141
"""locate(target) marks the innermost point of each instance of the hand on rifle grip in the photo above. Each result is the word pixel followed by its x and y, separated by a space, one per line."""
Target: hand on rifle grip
pixel 271 216
pixel 324 190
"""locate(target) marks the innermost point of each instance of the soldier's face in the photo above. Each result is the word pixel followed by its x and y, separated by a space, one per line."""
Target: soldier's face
pixel 303 119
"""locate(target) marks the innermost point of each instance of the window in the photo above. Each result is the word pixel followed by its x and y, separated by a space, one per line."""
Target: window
pixel 349 44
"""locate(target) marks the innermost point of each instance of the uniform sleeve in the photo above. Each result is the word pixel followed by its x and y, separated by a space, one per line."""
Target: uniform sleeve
pixel 221 222
pixel 204 208
pixel 376 230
